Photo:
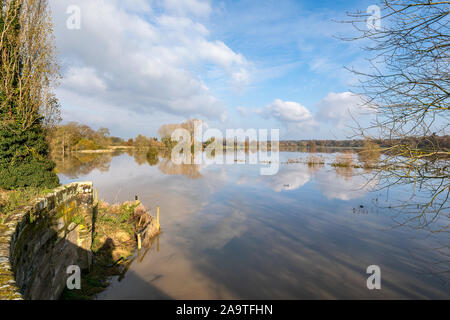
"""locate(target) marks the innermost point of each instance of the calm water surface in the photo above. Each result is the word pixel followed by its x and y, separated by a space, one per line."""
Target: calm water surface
pixel 304 233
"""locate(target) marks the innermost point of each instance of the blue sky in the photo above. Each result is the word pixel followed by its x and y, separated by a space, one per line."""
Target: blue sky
pixel 135 64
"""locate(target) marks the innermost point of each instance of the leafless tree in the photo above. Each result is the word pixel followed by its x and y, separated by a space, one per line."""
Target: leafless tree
pixel 28 68
pixel 408 89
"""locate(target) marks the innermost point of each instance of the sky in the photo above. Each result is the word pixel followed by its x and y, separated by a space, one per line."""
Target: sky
pixel 133 65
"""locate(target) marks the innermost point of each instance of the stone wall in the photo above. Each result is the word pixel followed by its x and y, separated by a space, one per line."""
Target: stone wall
pixel 39 242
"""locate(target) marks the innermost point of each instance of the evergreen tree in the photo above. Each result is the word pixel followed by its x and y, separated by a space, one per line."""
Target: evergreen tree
pixel 23 148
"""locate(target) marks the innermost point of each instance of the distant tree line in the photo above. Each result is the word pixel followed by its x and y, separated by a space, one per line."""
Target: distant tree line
pixel 74 136
pixel 419 143
pixel 64 139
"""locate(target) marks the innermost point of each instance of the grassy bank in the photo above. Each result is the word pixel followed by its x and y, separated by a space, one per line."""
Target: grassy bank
pixel 15 199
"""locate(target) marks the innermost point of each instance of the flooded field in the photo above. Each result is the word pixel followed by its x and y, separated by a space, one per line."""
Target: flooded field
pixel 308 232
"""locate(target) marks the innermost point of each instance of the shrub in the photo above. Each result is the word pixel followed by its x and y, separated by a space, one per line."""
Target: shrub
pixel 24 159
pixel 86 144
pixel 370 154
pixel 314 161
pixel 344 160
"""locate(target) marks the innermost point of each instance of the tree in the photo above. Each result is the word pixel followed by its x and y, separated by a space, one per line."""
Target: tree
pixel 166 130
pixel 141 142
pixel 27 103
pixel 117 141
pixel 311 146
pixel 369 155
pixel 28 68
pixel 102 137
pixel 64 138
pixel 408 89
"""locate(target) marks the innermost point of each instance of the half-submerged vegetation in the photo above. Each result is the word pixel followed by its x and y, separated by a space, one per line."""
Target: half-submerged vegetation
pixel 116 232
pixel 315 161
pixel 345 160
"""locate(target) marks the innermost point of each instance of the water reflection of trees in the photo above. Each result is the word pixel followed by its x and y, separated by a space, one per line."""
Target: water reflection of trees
pixel 140 158
pixel 165 165
pixel 189 170
pixel 77 164
pixel 419 207
pixel 424 208
pixel 345 172
pixel 146 156
pixel 152 156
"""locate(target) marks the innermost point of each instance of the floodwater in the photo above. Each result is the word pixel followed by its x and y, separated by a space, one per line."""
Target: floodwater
pixel 308 232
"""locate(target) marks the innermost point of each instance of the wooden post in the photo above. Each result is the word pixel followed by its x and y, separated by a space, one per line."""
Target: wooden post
pixel 139 241
pixel 157 218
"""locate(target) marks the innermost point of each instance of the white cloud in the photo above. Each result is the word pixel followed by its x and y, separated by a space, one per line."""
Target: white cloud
pixel 243 111
pixel 287 111
pixel 224 117
pixel 335 108
pixel 338 108
pixel 182 7
pixel 139 6
pixel 289 178
pixel 342 187
pixel 84 80
pixel 142 61
pixel 241 77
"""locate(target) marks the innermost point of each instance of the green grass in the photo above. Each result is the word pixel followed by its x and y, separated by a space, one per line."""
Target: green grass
pixel 79 219
pixel 123 214
pixel 13 200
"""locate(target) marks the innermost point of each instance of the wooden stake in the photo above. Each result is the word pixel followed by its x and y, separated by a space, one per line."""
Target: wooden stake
pixel 139 241
pixel 157 218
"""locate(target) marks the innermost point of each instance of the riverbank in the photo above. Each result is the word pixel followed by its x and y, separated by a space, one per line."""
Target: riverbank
pixel 111 149
pixel 66 226
pixel 118 229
